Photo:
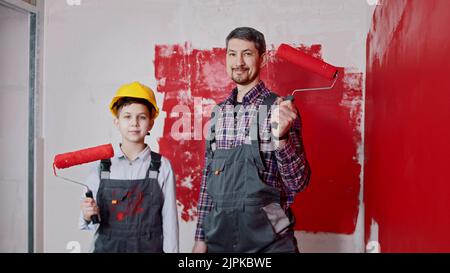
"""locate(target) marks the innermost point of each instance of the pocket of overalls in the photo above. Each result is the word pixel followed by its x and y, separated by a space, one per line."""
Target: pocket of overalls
pixel 217 166
pixel 214 228
pixel 115 200
pixel 216 176
pixel 103 244
pixel 150 243
pixel 277 218
pixel 115 195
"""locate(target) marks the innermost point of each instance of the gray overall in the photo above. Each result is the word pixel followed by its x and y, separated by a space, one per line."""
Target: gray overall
pixel 130 212
pixel 245 215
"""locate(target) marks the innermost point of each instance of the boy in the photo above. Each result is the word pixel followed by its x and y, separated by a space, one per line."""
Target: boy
pixel 135 190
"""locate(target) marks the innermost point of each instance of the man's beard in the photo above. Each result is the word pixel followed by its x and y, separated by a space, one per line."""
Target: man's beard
pixel 244 78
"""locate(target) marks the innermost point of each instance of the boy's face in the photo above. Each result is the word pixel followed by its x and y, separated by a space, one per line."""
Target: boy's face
pixel 133 122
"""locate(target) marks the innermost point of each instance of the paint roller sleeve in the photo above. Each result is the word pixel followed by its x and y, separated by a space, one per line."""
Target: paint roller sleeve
pixel 306 61
pixel 66 160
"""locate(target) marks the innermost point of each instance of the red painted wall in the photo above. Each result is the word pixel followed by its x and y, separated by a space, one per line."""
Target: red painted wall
pixel 331 130
pixel 407 189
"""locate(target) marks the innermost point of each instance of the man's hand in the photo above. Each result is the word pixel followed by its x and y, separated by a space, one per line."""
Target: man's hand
pixel 199 247
pixel 284 115
pixel 89 208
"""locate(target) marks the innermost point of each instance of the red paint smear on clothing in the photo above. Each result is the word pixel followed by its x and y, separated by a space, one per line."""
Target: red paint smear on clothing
pixel 407 144
pixel 330 130
pixel 133 202
pixel 120 216
pixel 137 207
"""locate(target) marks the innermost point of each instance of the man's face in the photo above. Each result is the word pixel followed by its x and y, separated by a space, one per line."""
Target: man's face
pixel 243 61
pixel 133 122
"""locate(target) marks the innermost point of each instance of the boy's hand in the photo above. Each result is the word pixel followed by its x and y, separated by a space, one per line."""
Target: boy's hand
pixel 199 247
pixel 89 208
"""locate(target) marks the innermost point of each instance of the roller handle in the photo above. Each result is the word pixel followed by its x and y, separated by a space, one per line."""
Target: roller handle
pixel 94 218
pixel 291 98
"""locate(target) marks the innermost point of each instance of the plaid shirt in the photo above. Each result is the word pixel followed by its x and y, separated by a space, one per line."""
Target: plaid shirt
pixel 286 168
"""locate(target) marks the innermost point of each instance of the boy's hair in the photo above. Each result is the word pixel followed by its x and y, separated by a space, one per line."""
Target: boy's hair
pixel 248 34
pixel 130 100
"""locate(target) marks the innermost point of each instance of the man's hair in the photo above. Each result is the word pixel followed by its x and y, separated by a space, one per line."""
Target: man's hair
pixel 248 34
pixel 130 100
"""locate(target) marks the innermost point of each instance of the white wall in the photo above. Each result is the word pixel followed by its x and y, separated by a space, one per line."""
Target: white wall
pixel 93 48
pixel 14 54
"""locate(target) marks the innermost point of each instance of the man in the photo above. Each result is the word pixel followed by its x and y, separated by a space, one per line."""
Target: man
pixel 253 168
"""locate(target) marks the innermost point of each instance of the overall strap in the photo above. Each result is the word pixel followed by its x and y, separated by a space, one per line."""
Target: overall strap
pixel 211 137
pixel 155 164
pixel 270 99
pixel 261 115
pixel 263 111
pixel 105 168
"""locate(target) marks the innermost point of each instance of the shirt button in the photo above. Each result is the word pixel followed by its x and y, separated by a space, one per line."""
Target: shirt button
pixel 131 164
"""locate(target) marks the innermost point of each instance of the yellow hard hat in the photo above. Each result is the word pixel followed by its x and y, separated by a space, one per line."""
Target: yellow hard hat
pixel 134 90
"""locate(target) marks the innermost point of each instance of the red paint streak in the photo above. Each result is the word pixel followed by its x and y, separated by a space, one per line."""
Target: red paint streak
pixel 120 216
pixel 208 75
pixel 133 203
pixel 331 136
pixel 169 68
pixel 407 133
pixel 330 131
pixel 204 73
pixel 137 207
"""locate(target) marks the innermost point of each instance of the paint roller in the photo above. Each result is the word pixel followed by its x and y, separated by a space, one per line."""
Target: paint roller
pixel 66 160
pixel 310 63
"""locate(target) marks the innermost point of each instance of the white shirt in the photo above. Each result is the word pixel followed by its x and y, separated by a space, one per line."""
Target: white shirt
pixel 122 168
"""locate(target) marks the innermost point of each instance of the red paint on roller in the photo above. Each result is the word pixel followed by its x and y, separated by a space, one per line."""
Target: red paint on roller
pixel 306 61
pixel 70 159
